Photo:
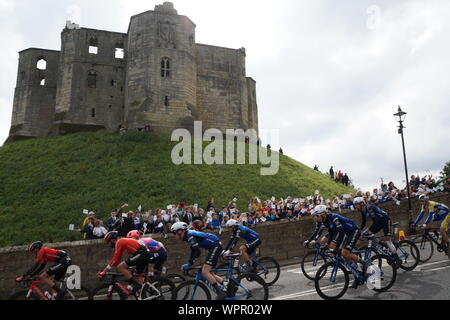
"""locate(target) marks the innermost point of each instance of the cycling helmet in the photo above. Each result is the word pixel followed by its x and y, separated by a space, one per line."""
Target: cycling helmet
pixel 111 236
pixel 35 246
pixel 318 210
pixel 179 226
pixel 231 223
pixel 359 200
pixel 134 234
pixel 423 197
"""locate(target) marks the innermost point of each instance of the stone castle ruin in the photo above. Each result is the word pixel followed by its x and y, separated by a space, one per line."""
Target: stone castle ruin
pixel 154 75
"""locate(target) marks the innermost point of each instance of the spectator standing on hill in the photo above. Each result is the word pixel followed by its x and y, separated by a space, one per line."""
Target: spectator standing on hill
pixel 331 172
pixel 346 180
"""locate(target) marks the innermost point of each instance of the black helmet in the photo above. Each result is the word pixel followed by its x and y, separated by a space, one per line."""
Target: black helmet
pixel 111 236
pixel 35 246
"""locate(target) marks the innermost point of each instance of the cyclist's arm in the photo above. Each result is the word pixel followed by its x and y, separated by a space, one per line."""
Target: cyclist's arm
pixel 339 233
pixel 195 249
pixel 363 221
pixel 234 240
pixel 117 256
pixel 316 235
pixel 419 218
pixel 430 217
pixel 36 269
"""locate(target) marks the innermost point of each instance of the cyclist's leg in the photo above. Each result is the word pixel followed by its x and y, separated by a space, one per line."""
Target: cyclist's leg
pixel 211 262
pixel 387 229
pixel 349 244
pixel 140 261
pixel 444 227
pixel 248 250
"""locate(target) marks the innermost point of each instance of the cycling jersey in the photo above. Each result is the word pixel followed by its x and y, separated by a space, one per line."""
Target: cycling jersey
pixel 45 255
pixel 340 227
pixel 197 240
pixel 131 246
pixel 437 212
pixel 243 232
pixel 152 245
pixel 376 214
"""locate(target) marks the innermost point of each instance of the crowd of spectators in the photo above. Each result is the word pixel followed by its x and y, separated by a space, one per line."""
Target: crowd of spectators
pixel 214 218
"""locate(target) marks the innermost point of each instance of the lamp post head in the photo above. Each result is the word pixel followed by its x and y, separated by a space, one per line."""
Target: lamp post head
pixel 400 114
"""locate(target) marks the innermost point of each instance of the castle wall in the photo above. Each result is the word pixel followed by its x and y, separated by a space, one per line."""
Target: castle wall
pixel 252 104
pixel 221 87
pixel 157 94
pixel 91 86
pixel 34 97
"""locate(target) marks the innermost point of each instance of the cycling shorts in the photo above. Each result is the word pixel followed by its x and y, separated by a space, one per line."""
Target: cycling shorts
pixel 158 259
pixel 139 260
pixel 59 270
pixel 351 239
pixel 385 225
pixel 213 256
pixel 446 222
pixel 251 246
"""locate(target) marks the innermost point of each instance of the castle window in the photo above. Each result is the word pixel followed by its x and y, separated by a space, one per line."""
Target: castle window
pixel 165 67
pixel 93 46
pixel 120 52
pixel 166 101
pixel 42 82
pixel 92 79
pixel 41 64
pixel 113 83
pixel 93 112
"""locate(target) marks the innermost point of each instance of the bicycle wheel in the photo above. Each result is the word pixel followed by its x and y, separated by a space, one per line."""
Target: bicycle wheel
pixel 197 291
pixel 248 287
pixel 268 269
pixel 69 295
pixel 164 290
pixel 101 292
pixel 331 281
pixel 409 254
pixel 388 272
pixel 22 295
pixel 425 246
pixel 317 260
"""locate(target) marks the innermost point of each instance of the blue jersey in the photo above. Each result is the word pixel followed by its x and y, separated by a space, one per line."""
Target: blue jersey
pixel 373 212
pixel 197 240
pixel 336 222
pixel 243 232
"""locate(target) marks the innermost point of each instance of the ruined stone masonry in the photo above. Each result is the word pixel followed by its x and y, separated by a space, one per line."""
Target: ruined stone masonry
pixel 154 75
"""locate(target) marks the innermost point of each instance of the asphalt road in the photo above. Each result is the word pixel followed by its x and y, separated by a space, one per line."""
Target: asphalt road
pixel 429 281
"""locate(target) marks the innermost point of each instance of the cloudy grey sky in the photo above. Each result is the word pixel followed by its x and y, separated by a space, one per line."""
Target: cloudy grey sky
pixel 330 74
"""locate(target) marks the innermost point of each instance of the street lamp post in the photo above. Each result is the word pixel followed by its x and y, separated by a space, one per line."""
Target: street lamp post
pixel 401 118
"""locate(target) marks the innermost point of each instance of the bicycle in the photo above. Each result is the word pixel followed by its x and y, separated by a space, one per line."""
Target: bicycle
pixel 317 255
pixel 407 251
pixel 266 267
pixel 244 287
pixel 332 279
pixel 114 289
pixel 34 292
pixel 425 240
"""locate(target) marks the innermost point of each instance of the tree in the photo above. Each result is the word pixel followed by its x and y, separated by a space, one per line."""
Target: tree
pixel 446 171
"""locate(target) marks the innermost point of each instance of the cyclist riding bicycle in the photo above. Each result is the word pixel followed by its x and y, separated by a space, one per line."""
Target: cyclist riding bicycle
pixel 210 242
pixel 381 221
pixel 249 235
pixel 341 231
pixel 437 212
pixel 157 252
pixel 139 257
pixel 44 255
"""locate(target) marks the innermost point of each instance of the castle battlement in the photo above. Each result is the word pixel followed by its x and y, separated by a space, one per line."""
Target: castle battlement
pixel 154 75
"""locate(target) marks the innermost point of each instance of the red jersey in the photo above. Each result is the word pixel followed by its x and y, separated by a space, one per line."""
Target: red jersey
pixel 45 255
pixel 131 246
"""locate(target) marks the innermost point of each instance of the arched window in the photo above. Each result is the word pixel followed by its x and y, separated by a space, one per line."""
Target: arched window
pixel 93 46
pixel 92 79
pixel 165 67
pixel 41 64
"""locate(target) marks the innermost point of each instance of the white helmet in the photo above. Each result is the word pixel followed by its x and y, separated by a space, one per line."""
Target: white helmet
pixel 179 226
pixel 423 197
pixel 318 210
pixel 359 200
pixel 232 223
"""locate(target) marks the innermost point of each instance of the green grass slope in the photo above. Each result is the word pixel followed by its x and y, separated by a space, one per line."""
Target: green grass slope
pixel 46 183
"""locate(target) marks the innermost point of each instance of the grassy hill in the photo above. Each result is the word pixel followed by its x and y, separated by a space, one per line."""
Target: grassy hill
pixel 46 183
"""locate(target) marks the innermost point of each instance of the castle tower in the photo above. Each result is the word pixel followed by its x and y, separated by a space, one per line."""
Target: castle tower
pixel 161 75
pixel 34 97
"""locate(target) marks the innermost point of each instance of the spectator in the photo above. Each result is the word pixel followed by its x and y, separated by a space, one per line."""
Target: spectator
pixel 281 151
pixel 316 168
pixel 88 228
pixel 214 223
pixel 99 231
pixel 346 180
pixel 128 224
pixel 138 221
pixel 111 223
pixel 331 172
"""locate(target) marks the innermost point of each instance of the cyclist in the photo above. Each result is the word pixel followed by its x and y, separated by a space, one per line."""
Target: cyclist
pixel 157 252
pixel 139 258
pixel 341 231
pixel 208 241
pixel 44 255
pixel 436 212
pixel 253 242
pixel 381 221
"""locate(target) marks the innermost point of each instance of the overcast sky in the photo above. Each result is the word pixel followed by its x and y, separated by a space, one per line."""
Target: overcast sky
pixel 330 74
